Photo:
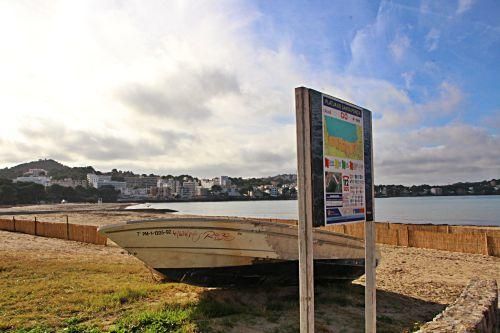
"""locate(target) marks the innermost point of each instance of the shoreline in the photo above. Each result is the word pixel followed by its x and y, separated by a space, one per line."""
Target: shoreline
pixel 73 208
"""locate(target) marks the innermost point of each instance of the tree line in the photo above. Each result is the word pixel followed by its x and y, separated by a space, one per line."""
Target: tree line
pixel 30 193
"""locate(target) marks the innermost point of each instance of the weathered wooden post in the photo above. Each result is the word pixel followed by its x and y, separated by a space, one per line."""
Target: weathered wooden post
pixel 14 223
pixel 67 227
pixel 335 179
pixel 35 226
pixel 306 263
pixel 486 247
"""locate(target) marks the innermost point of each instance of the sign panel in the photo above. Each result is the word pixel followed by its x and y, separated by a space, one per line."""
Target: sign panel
pixel 343 154
pixel 339 154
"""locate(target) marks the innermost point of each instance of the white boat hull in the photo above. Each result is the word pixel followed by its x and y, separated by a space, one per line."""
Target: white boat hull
pixel 182 248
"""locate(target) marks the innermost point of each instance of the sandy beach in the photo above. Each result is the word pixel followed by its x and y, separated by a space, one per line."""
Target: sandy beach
pixel 413 284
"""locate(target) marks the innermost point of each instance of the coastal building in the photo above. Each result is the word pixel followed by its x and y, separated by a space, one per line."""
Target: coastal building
pixel 95 180
pixel 135 193
pixel 208 183
pixel 141 181
pixel 173 186
pixel 42 180
pixel 201 191
pixel 36 172
pixel 69 182
pixel 98 181
pixel 437 190
pixel 224 181
pixel 164 193
pixel 233 192
pixel 187 190
pixel 117 185
pixel 273 191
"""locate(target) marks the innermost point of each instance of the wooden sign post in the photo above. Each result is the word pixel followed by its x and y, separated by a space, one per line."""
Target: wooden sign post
pixel 306 274
pixel 335 181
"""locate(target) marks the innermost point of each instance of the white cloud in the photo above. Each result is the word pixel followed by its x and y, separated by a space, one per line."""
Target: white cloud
pixel 187 87
pixel 437 155
pixel 463 6
pixel 119 74
pixel 408 77
pixel 399 46
pixel 432 39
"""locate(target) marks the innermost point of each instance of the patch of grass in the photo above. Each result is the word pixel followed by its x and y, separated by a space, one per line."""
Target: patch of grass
pixel 75 294
pixel 168 320
pixel 36 329
pixel 209 307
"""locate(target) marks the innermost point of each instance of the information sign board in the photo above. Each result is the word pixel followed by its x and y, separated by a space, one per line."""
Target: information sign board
pixel 340 151
pixel 344 161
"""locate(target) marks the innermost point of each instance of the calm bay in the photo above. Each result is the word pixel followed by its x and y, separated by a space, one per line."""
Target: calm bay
pixel 457 210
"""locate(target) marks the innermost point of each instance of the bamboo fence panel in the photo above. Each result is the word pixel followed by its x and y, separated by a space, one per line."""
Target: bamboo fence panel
pixel 25 226
pixel 6 224
pixel 355 230
pixel 442 237
pixel 403 239
pixel 466 243
pixel 51 229
pixel 472 230
pixel 493 246
pixel 389 237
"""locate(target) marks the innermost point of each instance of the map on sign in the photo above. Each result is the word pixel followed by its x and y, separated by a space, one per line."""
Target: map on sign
pixel 343 153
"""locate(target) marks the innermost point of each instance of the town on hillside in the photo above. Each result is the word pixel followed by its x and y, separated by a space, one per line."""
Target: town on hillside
pixel 128 186
pixel 51 181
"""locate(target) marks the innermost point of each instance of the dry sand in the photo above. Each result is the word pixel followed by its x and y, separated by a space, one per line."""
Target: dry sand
pixel 412 283
pixel 430 275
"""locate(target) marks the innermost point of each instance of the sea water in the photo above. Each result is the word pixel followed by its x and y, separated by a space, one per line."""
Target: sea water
pixel 458 210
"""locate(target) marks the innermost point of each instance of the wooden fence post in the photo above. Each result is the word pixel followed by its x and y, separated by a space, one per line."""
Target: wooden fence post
pixel 486 248
pixel 67 227
pixel 407 237
pixel 14 223
pixel 35 225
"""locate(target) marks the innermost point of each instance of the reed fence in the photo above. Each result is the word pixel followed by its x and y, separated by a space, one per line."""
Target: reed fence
pixel 466 239
pixel 441 237
pixel 69 231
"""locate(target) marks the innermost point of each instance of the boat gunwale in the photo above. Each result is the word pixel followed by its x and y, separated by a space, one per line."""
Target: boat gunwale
pixel 222 219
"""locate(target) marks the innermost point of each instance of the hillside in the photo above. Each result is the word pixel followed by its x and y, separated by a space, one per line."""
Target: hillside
pixel 55 169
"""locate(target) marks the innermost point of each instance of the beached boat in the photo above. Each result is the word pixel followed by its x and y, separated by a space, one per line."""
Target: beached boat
pixel 218 251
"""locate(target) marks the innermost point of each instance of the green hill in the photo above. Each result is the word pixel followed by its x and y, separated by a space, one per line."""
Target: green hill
pixel 55 169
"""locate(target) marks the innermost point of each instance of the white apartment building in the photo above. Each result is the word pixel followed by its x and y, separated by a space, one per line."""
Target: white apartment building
pixel 42 180
pixel 224 181
pixel 98 181
pixel 201 191
pixel 95 180
pixel 69 182
pixel 273 191
pixel 36 172
pixel 437 191
pixel 141 181
pixel 188 189
pixel 173 185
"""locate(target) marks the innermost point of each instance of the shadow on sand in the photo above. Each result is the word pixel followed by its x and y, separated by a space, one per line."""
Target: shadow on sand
pixel 339 308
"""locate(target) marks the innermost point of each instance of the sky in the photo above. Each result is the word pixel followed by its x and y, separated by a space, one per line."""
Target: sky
pixel 207 87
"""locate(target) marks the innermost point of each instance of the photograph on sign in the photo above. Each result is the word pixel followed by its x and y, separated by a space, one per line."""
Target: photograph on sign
pixel 344 169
